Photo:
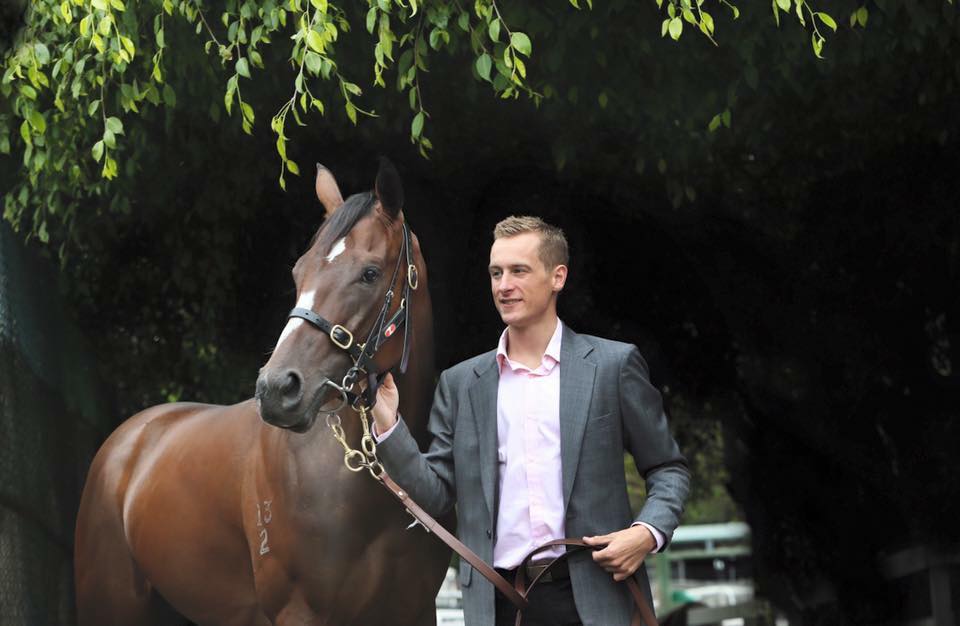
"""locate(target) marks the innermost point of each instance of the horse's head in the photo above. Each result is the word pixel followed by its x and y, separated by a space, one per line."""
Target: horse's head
pixel 352 285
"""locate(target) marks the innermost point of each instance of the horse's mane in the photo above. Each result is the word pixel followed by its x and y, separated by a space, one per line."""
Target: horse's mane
pixel 354 208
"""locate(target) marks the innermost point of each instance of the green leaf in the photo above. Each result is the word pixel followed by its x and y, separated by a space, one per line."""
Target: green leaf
pixel 42 53
pixel 725 117
pixel 160 40
pixel 84 26
pixel 494 30
pixel 817 45
pixel 38 122
pixel 315 41
pixel 521 42
pixel 114 125
pixel 66 12
pixel 664 27
pixel 784 4
pixel 169 96
pixel 313 62
pixel 351 112
pixel 247 111
pixel 714 123
pixel 109 139
pixel 484 64
pixel 243 67
pixel 293 167
pixel 416 127
pixel 25 133
pixel 118 5
pixel 371 19
pixel 706 21
pixel 128 45
pixel 99 4
pixel 826 19
pixel 676 28
pixel 92 107
pixel 862 16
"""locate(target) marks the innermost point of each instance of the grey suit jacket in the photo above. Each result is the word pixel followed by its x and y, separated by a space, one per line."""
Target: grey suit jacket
pixel 607 405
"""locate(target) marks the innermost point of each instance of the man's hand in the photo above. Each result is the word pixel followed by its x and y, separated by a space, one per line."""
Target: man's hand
pixel 624 551
pixel 385 410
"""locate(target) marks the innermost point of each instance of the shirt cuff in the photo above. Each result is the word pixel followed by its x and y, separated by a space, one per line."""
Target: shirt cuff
pixel 657 535
pixel 378 437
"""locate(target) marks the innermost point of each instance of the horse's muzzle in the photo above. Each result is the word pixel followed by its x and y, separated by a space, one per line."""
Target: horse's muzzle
pixel 286 400
pixel 280 398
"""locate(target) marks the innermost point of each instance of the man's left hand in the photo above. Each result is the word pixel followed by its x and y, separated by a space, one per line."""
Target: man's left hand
pixel 624 551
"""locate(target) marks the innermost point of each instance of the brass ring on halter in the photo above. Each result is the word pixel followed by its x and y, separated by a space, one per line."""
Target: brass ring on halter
pixel 358 457
pixel 369 446
pixel 413 277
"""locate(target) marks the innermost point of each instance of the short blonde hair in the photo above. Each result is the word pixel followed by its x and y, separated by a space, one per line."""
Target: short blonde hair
pixel 553 243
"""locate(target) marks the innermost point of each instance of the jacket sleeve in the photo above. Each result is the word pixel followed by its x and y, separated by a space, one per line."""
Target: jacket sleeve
pixel 647 437
pixel 428 477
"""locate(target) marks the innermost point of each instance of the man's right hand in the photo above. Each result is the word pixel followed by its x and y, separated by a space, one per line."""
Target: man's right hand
pixel 388 400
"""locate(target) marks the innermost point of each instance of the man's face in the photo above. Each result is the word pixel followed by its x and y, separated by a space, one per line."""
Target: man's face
pixel 523 288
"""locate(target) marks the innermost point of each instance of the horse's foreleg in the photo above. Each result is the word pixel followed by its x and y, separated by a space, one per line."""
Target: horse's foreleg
pixel 110 589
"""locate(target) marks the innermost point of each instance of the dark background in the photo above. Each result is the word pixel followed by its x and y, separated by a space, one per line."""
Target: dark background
pixel 792 280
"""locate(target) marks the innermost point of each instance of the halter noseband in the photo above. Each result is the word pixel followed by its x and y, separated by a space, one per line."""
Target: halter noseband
pixel 382 329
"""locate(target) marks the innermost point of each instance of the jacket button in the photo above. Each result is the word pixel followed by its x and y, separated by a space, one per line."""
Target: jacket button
pixel 489 534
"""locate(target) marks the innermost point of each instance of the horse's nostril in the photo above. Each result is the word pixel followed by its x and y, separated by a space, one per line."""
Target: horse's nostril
pixel 290 385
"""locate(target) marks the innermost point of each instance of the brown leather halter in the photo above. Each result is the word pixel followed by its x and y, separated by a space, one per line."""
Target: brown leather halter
pixel 355 460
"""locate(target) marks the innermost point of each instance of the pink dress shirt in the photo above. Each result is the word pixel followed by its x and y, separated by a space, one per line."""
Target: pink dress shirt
pixel 528 453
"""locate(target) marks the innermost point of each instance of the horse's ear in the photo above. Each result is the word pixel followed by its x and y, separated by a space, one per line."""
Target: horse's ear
pixel 389 189
pixel 327 190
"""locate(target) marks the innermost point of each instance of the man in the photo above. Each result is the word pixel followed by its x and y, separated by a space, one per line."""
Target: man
pixel 528 441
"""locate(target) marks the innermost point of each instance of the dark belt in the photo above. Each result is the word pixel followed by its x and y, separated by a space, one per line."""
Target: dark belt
pixel 560 571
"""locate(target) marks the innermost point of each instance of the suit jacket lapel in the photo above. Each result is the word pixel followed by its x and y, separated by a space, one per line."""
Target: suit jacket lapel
pixel 576 391
pixel 483 398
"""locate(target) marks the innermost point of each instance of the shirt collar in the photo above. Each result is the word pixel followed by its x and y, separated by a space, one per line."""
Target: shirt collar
pixel 551 355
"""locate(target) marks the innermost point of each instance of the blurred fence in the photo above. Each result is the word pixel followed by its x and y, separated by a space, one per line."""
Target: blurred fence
pixel 52 419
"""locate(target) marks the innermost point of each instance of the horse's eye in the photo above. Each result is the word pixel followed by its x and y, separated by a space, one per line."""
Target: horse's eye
pixel 370 275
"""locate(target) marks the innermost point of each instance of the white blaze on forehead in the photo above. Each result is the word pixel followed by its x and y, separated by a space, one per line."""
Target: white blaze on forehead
pixel 305 301
pixel 337 249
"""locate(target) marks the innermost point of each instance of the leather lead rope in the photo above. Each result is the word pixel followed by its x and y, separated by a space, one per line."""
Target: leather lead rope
pixel 518 593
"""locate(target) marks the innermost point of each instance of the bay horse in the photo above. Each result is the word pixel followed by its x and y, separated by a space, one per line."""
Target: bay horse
pixel 246 515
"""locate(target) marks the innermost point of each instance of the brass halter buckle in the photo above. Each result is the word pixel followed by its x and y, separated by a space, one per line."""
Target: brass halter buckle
pixel 336 334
